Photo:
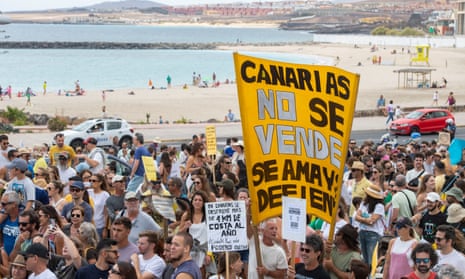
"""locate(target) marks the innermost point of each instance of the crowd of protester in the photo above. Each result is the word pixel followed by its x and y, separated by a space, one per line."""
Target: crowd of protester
pixel 71 213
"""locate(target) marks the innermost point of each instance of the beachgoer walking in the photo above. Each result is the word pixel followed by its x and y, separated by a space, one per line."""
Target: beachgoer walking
pixel 151 84
pixel 435 98
pixel 8 91
pixel 451 101
pixel 28 96
pixel 214 77
pixel 390 109
pixel 194 79
pixel 103 96
pixel 45 87
pixel 168 81
pixel 444 82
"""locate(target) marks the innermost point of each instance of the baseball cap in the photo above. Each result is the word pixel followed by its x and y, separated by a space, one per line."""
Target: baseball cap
pixel 226 183
pixel 77 184
pixel 130 195
pixel 18 163
pixel 403 222
pixel 36 249
pixel 433 197
pixel 238 143
pixel 90 140
pixel 117 178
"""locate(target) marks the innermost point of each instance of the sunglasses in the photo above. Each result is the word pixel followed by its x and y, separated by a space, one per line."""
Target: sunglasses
pixel 6 203
pixel 50 188
pixel 75 190
pixel 23 224
pixel 76 215
pixel 197 182
pixel 423 260
pixel 93 180
pixel 438 239
pixel 306 250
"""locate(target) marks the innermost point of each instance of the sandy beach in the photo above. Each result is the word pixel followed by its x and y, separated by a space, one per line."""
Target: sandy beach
pixel 201 104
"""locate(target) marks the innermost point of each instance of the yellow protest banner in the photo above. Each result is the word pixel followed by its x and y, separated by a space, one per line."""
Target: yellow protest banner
pixel 299 119
pixel 210 133
pixel 150 169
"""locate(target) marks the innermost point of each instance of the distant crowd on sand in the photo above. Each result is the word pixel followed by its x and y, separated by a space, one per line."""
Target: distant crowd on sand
pixel 197 81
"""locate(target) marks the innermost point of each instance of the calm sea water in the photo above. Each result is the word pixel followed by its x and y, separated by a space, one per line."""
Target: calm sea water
pixel 111 69
pixel 149 34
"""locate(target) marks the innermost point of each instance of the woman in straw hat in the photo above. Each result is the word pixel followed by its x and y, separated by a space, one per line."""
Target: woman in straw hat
pixel 370 215
pixel 18 268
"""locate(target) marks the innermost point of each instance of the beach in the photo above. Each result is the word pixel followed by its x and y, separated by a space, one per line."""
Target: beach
pixel 196 104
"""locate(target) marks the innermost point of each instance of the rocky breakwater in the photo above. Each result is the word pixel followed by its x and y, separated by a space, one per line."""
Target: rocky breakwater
pixel 104 45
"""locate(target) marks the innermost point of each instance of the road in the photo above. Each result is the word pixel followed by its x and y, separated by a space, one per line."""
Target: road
pixel 175 134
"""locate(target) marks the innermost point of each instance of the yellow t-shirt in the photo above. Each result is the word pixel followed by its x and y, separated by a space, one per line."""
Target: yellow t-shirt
pixel 55 151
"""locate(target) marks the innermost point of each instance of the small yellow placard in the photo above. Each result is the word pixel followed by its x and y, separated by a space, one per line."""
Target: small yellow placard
pixel 210 132
pixel 150 169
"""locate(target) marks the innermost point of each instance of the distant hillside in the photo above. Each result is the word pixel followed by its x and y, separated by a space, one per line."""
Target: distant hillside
pixel 126 4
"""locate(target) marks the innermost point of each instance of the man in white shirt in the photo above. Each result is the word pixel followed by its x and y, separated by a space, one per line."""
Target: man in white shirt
pixel 64 168
pixel 96 156
pixel 274 261
pixel 445 237
pixel 36 261
pixel 148 264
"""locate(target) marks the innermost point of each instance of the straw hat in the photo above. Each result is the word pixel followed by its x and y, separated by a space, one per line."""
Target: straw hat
pixel 19 261
pixel 357 165
pixel 374 191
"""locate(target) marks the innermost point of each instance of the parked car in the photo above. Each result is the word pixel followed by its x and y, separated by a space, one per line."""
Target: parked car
pixel 122 167
pixel 422 121
pixel 102 129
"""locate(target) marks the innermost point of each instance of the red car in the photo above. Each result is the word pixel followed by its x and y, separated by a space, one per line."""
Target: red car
pixel 423 121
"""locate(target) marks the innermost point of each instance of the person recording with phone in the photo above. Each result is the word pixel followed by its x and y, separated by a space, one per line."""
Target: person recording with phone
pixel 48 218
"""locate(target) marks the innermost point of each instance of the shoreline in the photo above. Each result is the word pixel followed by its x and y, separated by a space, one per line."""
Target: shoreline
pixel 202 104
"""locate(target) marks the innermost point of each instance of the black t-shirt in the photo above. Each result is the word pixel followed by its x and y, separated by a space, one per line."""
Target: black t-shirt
pixel 317 273
pixel 91 272
pixel 429 223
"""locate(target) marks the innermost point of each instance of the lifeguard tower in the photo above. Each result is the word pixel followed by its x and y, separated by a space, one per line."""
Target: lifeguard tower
pixel 422 55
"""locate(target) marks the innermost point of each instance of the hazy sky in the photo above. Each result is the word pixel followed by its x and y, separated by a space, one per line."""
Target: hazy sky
pixel 24 5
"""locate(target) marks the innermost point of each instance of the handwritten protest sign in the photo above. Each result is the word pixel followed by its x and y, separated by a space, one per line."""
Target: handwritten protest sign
pixel 226 223
pixel 211 140
pixel 299 119
pixel 150 169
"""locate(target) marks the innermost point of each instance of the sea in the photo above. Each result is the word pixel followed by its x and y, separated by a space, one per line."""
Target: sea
pixel 107 69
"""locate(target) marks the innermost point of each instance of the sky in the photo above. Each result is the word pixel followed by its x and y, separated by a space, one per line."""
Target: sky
pixel 27 5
